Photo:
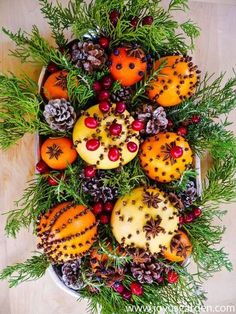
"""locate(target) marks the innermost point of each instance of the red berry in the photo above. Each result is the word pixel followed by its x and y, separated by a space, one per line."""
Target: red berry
pixel 172 276
pixel 89 171
pixel 104 219
pixel 42 167
pixel 52 67
pixel 115 129
pixel 181 220
pixel 91 122
pixel 97 86
pixel 196 119
pixel 114 154
pixel 54 181
pixel 147 20
pixel 136 288
pixel 127 294
pixel 107 82
pixel 120 107
pixel 114 17
pixel 132 147
pixel 92 144
pixel 197 212
pixel 118 287
pixel 176 152
pixel 137 125
pixel 108 206
pixel 170 124
pixel 104 42
pixel 188 218
pixel 104 95
pixel 104 106
pixel 182 131
pixel 134 22
pixel 97 208
pixel 160 280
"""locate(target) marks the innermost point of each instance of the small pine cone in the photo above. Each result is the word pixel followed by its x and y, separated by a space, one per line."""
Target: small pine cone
pixel 189 195
pixel 88 56
pixel 147 272
pixel 123 94
pixel 59 114
pixel 71 275
pixel 155 119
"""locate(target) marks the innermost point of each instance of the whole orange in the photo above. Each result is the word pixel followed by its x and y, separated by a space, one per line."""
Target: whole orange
pixel 128 65
pixel 58 152
pixel 56 85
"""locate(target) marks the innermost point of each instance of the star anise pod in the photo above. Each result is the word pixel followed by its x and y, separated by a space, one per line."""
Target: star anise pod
pixel 151 199
pixel 54 151
pixel 176 201
pixel 61 80
pixel 139 256
pixel 134 51
pixel 153 227
pixel 179 246
pixel 167 152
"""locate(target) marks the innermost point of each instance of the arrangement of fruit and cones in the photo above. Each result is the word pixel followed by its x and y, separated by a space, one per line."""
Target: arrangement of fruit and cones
pixel 122 113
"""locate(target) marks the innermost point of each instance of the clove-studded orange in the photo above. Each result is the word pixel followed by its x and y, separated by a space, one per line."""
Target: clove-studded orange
pixel 128 65
pixel 165 156
pixel 66 232
pixel 179 248
pixel 145 218
pixel 58 152
pixel 176 81
pixel 56 85
pixel 106 139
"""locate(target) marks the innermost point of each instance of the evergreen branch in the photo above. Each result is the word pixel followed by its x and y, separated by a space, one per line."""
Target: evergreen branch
pixel 32 269
pixel 19 110
pixel 178 5
pixel 181 184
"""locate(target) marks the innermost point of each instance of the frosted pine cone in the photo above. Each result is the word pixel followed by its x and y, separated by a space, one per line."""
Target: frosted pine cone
pixel 71 275
pixel 189 195
pixel 88 56
pixel 59 114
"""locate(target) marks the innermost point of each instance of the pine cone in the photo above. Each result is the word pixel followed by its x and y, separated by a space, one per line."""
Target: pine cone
pixel 96 188
pixel 88 56
pixel 59 114
pixel 71 275
pixel 189 195
pixel 123 94
pixel 155 119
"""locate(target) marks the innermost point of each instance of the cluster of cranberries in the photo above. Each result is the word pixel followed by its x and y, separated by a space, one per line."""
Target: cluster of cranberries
pixel 146 20
pixel 103 211
pixel 183 129
pixel 43 168
pixel 190 216
pixel 136 288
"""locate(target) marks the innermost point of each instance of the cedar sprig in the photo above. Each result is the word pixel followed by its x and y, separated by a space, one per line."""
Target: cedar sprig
pixel 32 269
pixel 178 5
pixel 181 184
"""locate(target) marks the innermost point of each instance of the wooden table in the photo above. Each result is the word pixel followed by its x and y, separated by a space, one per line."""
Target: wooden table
pixel 216 52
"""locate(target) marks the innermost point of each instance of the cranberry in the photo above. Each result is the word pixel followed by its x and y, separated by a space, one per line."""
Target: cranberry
pixel 132 147
pixel 134 22
pixel 104 106
pixel 108 207
pixel 92 144
pixel 107 82
pixel 196 119
pixel 42 167
pixel 127 294
pixel 170 124
pixel 136 288
pixel 115 129
pixel 188 218
pixel 54 181
pixel 120 107
pixel 104 219
pixel 104 95
pixel 114 17
pixel 104 42
pixel 89 171
pixel 176 152
pixel 172 276
pixel 147 20
pixel 182 131
pixel 197 212
pixel 97 208
pixel 181 220
pixel 160 279
pixel 137 125
pixel 97 86
pixel 52 67
pixel 113 154
pixel 91 122
pixel 118 287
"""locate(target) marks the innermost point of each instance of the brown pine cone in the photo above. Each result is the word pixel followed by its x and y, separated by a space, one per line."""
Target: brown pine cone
pixel 71 275
pixel 123 94
pixel 88 56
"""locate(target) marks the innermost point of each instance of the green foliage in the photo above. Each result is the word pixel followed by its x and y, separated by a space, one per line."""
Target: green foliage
pixel 19 110
pixel 32 269
pixel 181 184
pixel 178 5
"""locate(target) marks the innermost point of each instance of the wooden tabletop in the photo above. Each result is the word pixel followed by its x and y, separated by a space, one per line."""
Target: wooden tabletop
pixel 216 52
